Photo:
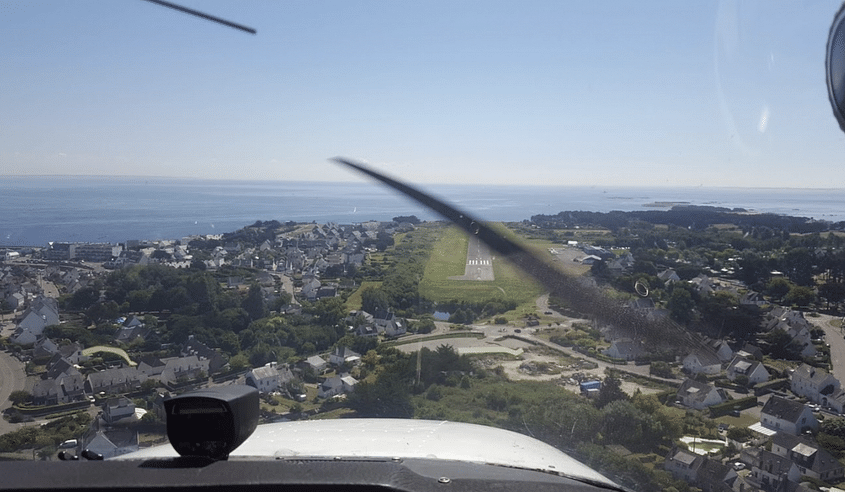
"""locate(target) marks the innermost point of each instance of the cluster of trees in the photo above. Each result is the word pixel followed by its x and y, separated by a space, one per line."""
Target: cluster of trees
pixel 281 338
pixel 399 289
pixel 640 422
pixel 812 263
pixel 45 437
pixel 831 436
pixel 687 217
pixel 400 375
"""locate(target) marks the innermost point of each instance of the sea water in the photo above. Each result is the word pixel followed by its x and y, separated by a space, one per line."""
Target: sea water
pixel 37 209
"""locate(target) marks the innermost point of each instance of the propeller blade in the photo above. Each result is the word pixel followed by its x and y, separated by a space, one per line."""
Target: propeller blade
pixel 581 293
pixel 202 15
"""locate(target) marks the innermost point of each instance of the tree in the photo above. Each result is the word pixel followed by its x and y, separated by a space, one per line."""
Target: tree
pixel 781 345
pixel 600 269
pixel 681 305
pixel 425 325
pixel 832 292
pixel 797 263
pixel 388 397
pixel 778 287
pixel 622 422
pixel 740 434
pixel 19 397
pixel 661 369
pixel 611 390
pixel 83 298
pixel 374 300
pixel 800 296
pixel 253 303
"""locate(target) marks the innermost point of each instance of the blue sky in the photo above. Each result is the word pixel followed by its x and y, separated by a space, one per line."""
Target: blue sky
pixel 586 93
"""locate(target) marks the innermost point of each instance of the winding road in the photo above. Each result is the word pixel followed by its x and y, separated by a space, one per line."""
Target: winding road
pixel 12 378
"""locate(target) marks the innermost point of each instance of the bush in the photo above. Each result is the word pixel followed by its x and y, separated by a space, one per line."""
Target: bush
pixel 728 406
pixel 740 434
pixel 661 369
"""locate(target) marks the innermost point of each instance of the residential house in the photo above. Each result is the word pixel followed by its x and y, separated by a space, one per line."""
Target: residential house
pixel 811 459
pixel 702 361
pixel 751 352
pixel 771 472
pixel 46 392
pixel 203 352
pixel 700 471
pixel 43 312
pixel 269 377
pixel 752 298
pixel 59 366
pixel 115 409
pixel 109 443
pixel 64 389
pixel 795 325
pixel 755 371
pixel 129 333
pixel 668 277
pixel 343 355
pixel 15 301
pixel 704 285
pixel 361 323
pixel 44 348
pixel 698 395
pixel 72 353
pixel 316 364
pixel 326 291
pixel 310 288
pixel 789 416
pixel 151 366
pixel 815 384
pixel 836 401
pixel 624 348
pixel 183 369
pixel 721 348
pixel 388 323
pixel 114 381
pixel 337 385
pixel 714 476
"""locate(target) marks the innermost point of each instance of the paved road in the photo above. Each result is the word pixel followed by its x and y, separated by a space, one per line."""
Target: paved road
pixel 493 338
pixel 287 284
pixel 833 336
pixel 12 378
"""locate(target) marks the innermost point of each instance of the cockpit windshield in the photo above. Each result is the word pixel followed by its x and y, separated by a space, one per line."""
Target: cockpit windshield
pixel 627 241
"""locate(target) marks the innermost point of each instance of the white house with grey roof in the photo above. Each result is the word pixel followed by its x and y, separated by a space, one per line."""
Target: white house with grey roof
pixel 783 415
pixel 754 370
pixel 698 395
pixel 810 458
pixel 269 377
pixel 624 348
pixel 813 383
pixel 703 361
pixel 343 355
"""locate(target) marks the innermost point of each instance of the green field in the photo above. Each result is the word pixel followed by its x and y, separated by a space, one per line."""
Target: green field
pixel 448 259
pixel 353 302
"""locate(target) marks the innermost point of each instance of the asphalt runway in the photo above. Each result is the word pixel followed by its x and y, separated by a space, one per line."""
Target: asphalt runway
pixel 479 262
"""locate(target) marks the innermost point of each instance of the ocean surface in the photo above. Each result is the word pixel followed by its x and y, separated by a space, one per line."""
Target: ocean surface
pixel 37 209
